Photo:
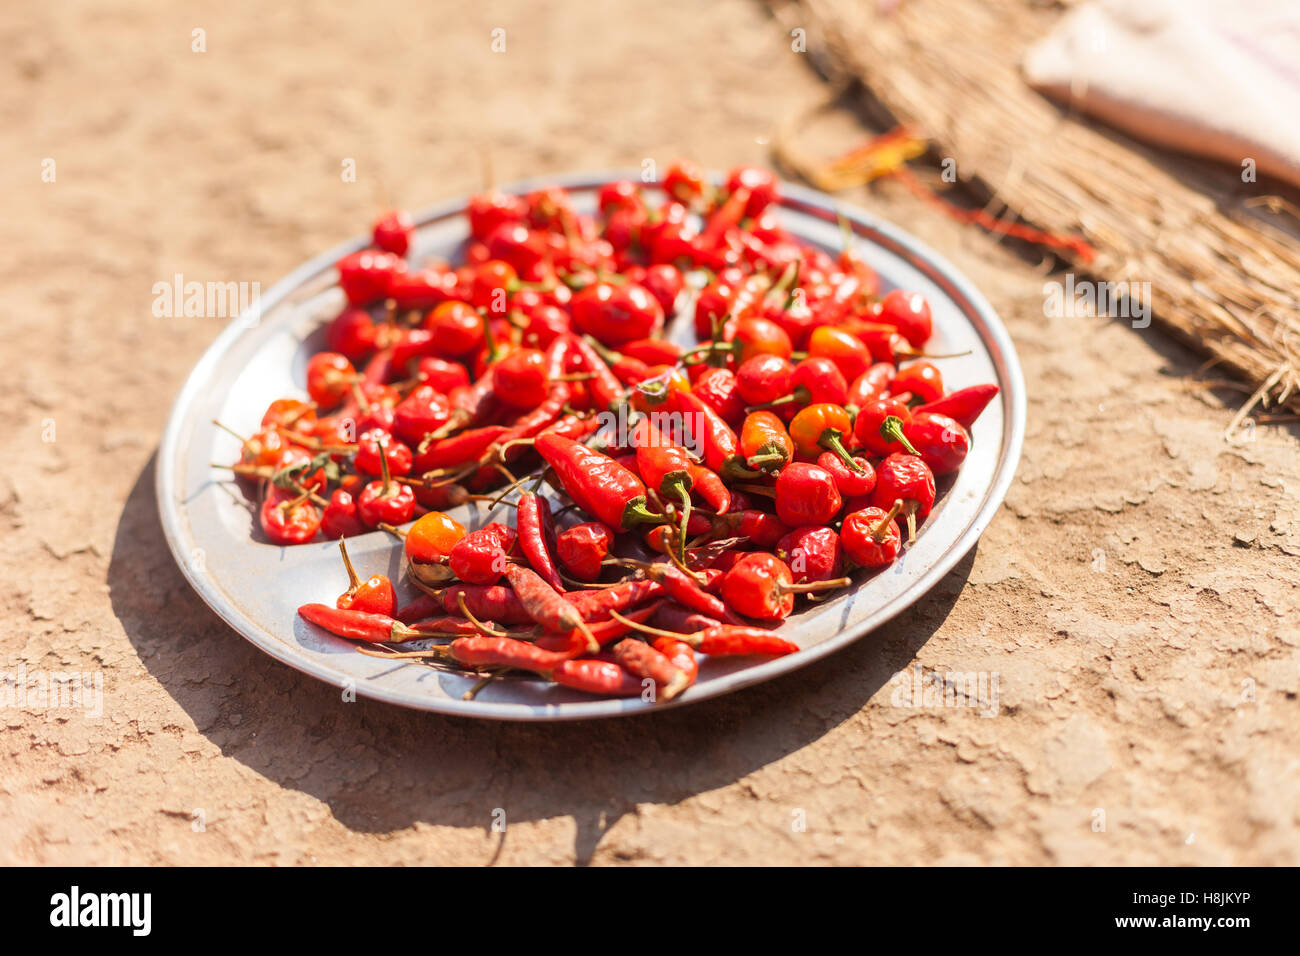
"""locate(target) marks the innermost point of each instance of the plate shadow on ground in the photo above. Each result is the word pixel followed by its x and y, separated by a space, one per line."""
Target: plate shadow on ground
pixel 381 768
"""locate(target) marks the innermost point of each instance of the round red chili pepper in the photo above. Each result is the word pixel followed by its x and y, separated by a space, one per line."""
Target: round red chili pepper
pixel 872 384
pixel 717 387
pixel 909 313
pixel 393 231
pixel 420 414
pixel 908 479
pixel 941 442
pixel 813 553
pixel 520 378
pixel 764 379
pixel 922 379
pixel 617 313
pixel 762 586
pixel 871 537
pixel 481 556
pixel 339 518
pixel 849 482
pixel 847 351
pixel 329 377
pixel 367 459
pixel 806 494
pixel 880 427
pixel 351 333
pixel 366 275
pixel 375 594
pixel 457 328
pixel 582 548
pixel 385 501
pixel 287 517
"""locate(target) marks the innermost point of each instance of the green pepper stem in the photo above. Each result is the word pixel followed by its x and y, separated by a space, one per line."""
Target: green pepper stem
pixel 891 429
pixel 831 440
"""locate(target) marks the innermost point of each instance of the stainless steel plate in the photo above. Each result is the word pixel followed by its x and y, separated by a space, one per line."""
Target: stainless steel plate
pixel 256 587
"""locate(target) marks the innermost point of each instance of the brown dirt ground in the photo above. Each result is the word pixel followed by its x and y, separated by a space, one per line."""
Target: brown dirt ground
pixel 1137 595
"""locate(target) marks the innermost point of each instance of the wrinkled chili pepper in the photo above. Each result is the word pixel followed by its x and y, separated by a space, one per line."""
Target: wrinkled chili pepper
pixel 533 520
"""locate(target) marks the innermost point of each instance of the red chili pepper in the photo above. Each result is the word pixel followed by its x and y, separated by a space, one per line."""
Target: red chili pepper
pixel 941 442
pixel 762 586
pixel 909 313
pixel 880 426
pixel 813 553
pixel 533 520
pixel 597 605
pixel 677 617
pixel 605 387
pixel 340 518
pixel 720 445
pixel 507 652
pixel 598 484
pixel 491 602
pixel 358 625
pixel 871 537
pixel 680 654
pixel 287 518
pixel 582 548
pixel 597 677
pixel 850 482
pixel 481 556
pixel 684 590
pixel 764 379
pixel 717 388
pixel 872 384
pixel 962 406
pixel 823 426
pixel 908 479
pixel 385 501
pixel 765 443
pixel 806 494
pixel 461 449
pixel 847 351
pixel 552 611
pixel 421 607
pixel 711 488
pixel 922 379
pixel 641 660
pixel 375 594
pixel 729 639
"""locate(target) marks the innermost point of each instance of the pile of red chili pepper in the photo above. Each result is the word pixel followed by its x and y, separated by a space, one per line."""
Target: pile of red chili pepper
pixel 701 489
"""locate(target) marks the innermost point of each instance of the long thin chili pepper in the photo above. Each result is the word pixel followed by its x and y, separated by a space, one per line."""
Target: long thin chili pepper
pixel 605 387
pixel 492 602
pixel 641 660
pixel 531 517
pixel 551 610
pixel 729 640
pixel 358 625
pixel 597 677
pixel 597 483
pixel 681 588
pixel 720 444
pixel 461 449
pixel 597 605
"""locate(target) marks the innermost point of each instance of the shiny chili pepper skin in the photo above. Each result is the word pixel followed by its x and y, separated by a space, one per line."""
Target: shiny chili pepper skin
pixel 881 426
pixel 365 276
pixel 922 379
pixel 962 406
pixel 329 377
pixel 909 313
pixel 763 379
pixel 871 538
pixel 905 478
pixel 757 587
pixel 288 518
pixel 720 445
pixel 680 655
pixel 366 460
pixel 850 482
pixel 737 640
pixel 339 518
pixel 533 521
pixel 598 484
pixel 375 594
pixel 431 539
pixel 422 607
pixel 582 548
pixel 481 556
pixel 872 384
pixel 711 488
pixel 847 351
pixel 806 494
pixel 813 553
pixel 941 442
pixel 606 389
pixel 717 387
pixel 394 504
pixel 765 443
pixel 823 427
pixel 357 625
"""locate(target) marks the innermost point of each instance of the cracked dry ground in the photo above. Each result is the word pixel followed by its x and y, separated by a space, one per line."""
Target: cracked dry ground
pixel 1136 595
